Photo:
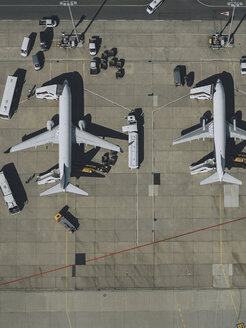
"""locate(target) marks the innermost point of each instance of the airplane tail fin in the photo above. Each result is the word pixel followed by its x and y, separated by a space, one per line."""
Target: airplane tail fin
pixel 215 178
pixel 58 188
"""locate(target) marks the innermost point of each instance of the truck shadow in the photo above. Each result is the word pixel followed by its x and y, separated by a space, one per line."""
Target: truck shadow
pixel 15 185
pixel 20 73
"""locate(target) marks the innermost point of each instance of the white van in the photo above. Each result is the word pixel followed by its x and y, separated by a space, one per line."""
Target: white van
pixel 7 195
pixel 153 6
pixel 25 47
pixel 8 96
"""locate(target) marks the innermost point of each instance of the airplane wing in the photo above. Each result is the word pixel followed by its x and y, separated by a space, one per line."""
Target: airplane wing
pixel 237 132
pixel 200 133
pixel 82 136
pixel 41 139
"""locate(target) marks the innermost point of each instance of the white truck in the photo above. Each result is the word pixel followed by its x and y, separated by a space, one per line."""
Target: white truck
pixel 7 195
pixel 48 22
pixel 8 96
pixel 133 149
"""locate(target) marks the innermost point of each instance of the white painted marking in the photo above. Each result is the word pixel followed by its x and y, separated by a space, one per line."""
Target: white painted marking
pixel 155 101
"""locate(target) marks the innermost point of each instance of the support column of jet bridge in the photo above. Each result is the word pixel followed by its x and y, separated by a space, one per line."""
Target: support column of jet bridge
pixel 133 148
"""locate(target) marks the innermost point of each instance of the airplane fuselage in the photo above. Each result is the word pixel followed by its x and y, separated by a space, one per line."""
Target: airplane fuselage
pixel 65 135
pixel 219 108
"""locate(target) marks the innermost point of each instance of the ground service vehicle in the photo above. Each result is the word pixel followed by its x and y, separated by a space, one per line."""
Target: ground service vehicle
pixel 48 21
pixel 6 109
pixel 67 220
pixel 25 47
pixel 95 66
pixel 36 62
pixel 153 6
pixel 7 195
pixel 133 148
pixel 243 65
pixel 43 41
pixel 93 46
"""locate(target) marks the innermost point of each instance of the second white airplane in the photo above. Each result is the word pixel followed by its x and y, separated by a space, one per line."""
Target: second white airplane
pixel 65 134
pixel 219 129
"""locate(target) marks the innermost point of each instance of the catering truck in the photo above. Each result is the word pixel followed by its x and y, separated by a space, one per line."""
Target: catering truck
pixel 133 148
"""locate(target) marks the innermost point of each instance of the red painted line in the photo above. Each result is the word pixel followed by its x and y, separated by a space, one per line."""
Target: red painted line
pixel 35 275
pixel 127 250
pixel 166 239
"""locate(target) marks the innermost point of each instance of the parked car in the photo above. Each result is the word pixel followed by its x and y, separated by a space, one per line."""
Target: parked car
pixel 243 65
pixel 154 5
pixel 95 66
pixel 93 46
pixel 36 62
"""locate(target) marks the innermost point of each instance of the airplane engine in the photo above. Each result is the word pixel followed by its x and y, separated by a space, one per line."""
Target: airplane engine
pixel 50 124
pixel 205 118
pixel 82 125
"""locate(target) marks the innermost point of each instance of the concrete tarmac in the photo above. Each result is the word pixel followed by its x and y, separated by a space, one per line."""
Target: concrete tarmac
pixel 124 209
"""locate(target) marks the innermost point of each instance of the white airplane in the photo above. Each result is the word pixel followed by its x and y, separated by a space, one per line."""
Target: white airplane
pixel 65 134
pixel 219 129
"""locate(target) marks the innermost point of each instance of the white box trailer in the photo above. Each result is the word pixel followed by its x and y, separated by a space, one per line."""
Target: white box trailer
pixel 133 148
pixel 8 97
pixel 7 195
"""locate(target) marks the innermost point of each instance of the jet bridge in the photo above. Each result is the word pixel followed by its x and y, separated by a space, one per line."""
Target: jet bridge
pixel 202 93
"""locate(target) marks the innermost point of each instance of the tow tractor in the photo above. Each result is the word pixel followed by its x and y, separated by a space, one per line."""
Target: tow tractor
pixel 67 220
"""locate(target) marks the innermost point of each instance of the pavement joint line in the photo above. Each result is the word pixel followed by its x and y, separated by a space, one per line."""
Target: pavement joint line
pixel 90 5
pixel 181 315
pixel 137 207
pixel 238 90
pixel 213 6
pixel 126 250
pixel 132 60
pixel 111 101
pixel 153 160
pixel 221 261
pixel 68 318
